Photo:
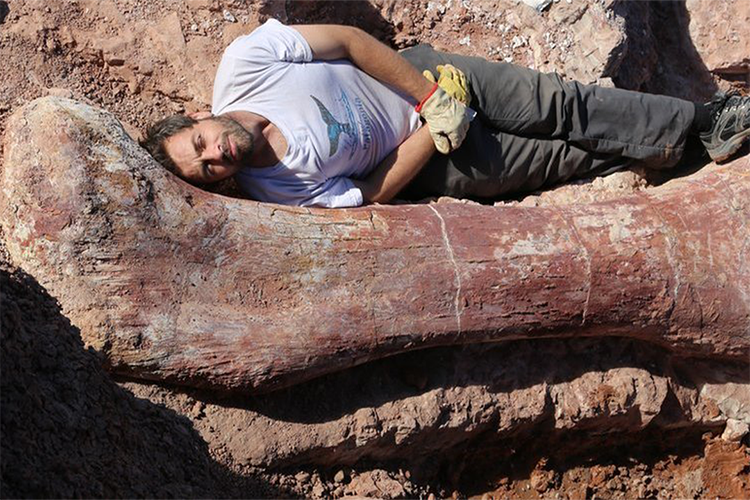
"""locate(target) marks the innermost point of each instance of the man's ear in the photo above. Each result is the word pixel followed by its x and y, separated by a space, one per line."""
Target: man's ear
pixel 200 115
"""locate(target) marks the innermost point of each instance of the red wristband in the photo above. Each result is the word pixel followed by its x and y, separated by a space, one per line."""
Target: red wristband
pixel 419 106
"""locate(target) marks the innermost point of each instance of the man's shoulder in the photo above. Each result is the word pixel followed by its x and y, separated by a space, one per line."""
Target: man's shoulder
pixel 242 41
pixel 272 41
pixel 255 38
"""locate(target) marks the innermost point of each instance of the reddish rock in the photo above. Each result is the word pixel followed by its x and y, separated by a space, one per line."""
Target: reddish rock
pixel 585 41
pixel 719 31
pixel 436 403
pixel 174 283
pixel 479 398
pixel 376 484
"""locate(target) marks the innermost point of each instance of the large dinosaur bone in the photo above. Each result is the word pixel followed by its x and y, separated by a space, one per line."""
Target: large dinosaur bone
pixel 174 283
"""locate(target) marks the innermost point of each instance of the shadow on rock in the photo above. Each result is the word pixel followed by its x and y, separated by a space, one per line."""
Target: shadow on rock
pixel 463 415
pixel 500 368
pixel 359 13
pixel 680 71
pixel 4 11
pixel 69 431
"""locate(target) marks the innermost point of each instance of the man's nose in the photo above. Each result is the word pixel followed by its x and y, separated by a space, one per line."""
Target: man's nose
pixel 213 152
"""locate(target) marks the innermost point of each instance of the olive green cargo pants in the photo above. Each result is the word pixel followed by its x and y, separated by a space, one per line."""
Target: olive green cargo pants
pixel 534 130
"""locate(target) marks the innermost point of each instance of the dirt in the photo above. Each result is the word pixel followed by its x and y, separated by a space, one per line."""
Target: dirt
pixel 69 430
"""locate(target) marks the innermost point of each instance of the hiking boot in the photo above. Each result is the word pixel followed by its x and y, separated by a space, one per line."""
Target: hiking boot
pixel 730 125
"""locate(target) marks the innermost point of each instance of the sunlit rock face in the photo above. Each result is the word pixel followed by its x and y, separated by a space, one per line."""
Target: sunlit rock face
pixel 720 36
pixel 471 406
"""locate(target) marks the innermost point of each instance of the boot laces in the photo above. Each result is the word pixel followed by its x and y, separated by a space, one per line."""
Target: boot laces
pixel 718 104
pixel 732 101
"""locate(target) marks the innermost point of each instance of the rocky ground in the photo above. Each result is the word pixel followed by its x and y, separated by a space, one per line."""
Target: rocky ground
pixel 419 424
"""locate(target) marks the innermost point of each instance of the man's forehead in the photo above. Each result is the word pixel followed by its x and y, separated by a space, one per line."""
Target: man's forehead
pixel 180 146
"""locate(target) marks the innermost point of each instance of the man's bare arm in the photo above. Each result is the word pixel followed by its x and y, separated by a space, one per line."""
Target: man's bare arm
pixel 374 58
pixel 397 169
pixel 446 117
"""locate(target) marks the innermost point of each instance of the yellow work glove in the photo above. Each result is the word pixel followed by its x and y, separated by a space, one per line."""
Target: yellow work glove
pixel 446 117
pixel 453 81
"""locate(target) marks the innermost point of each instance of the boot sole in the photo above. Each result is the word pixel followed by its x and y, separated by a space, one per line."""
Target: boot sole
pixel 729 147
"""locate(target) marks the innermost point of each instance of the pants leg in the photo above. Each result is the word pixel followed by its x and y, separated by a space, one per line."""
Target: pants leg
pixel 520 101
pixel 508 165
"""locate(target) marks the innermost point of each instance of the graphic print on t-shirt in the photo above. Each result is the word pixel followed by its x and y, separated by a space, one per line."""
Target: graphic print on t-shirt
pixel 355 127
pixel 335 127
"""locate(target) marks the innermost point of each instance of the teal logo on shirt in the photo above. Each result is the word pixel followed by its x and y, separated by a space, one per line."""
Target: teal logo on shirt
pixel 335 127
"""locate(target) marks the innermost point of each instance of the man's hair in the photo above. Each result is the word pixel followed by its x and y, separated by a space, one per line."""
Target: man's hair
pixel 159 132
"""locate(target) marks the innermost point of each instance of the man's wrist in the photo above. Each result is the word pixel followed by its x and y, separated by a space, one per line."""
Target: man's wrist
pixel 426 98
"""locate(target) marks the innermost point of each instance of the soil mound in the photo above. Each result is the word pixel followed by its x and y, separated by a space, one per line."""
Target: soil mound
pixel 67 430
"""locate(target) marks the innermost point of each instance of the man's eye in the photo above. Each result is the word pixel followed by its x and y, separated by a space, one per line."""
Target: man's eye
pixel 207 169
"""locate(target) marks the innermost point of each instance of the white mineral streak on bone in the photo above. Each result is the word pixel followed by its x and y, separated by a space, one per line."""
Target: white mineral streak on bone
pixel 619 225
pixel 692 244
pixel 745 289
pixel 158 328
pixel 671 243
pixel 452 257
pixel 586 254
pixel 524 247
pixel 740 206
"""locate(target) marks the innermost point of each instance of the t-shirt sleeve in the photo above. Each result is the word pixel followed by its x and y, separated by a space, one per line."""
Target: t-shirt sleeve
pixel 271 42
pixel 336 192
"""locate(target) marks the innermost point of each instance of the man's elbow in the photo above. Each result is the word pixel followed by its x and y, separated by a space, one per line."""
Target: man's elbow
pixel 371 193
pixel 352 37
pixel 377 197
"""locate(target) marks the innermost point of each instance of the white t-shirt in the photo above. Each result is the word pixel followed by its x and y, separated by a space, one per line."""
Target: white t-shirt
pixel 339 122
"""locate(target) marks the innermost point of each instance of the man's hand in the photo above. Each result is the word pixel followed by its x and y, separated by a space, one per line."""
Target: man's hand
pixel 445 115
pixel 453 81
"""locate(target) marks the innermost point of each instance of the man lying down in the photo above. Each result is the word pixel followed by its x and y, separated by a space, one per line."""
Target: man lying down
pixel 325 115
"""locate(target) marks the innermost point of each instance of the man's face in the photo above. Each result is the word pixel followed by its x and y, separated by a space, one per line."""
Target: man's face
pixel 211 150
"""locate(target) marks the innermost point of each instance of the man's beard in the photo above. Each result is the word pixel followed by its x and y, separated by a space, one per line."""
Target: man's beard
pixel 242 139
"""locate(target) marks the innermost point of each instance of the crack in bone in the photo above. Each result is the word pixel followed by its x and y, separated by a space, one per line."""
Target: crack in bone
pixel 589 271
pixel 452 257
pixel 670 247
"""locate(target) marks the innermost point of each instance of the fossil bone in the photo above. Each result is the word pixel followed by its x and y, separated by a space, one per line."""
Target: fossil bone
pixel 174 283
